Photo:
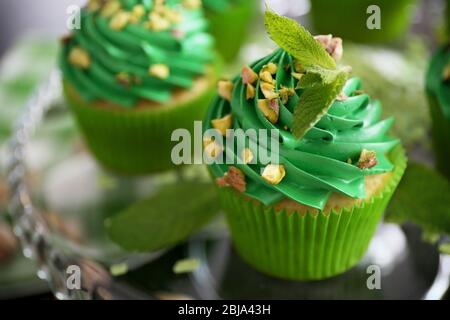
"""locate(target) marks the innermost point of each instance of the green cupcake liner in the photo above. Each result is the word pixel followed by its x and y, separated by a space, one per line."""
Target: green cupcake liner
pixel 441 136
pixel 348 19
pixel 136 142
pixel 230 28
pixel 310 246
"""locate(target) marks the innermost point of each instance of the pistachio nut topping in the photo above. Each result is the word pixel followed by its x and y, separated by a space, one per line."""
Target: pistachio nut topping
pixel 225 89
pixel 223 124
pixel 367 159
pixel 273 173
pixel 234 178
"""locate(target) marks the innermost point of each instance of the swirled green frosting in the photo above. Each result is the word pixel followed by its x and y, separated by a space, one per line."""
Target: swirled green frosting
pixel 121 57
pixel 436 85
pixel 324 160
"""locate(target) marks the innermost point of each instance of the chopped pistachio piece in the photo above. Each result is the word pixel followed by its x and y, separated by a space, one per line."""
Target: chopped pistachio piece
pixel 271 68
pixel 336 50
pixel 110 8
pixel 251 92
pixel 324 40
pixel 268 90
pixel 120 20
pixel 223 124
pixel 173 16
pixel 192 4
pixel 286 93
pixel 269 109
pixel 158 8
pixel 234 178
pixel 80 58
pixel 367 159
pixel 297 75
pixel 274 173
pixel 332 45
pixel 160 71
pixel 247 155
pixel 212 148
pixel 298 67
pixel 248 75
pixel 124 79
pixel 137 13
pixel 225 89
pixel 266 76
pixel 157 22
pixel 273 104
pixel 138 10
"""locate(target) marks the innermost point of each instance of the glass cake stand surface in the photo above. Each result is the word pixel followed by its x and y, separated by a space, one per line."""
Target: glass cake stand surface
pixel 60 199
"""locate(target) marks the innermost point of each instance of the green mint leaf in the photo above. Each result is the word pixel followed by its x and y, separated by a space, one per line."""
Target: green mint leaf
pixel 310 79
pixel 166 218
pixel 318 75
pixel 423 198
pixel 297 41
pixel 315 101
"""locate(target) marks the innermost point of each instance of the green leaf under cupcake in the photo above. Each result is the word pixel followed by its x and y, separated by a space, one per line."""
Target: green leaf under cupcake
pixel 423 198
pixel 165 218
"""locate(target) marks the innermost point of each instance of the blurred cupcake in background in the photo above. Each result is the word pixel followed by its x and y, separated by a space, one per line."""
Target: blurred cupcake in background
pixel 348 19
pixel 135 71
pixel 229 23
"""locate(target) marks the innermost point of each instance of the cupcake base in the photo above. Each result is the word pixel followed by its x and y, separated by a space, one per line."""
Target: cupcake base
pixel 311 245
pixel 441 136
pixel 138 141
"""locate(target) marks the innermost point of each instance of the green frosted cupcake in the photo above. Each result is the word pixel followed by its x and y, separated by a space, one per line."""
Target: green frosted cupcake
pixel 348 19
pixel 135 71
pixel 438 92
pixel 312 212
pixel 229 23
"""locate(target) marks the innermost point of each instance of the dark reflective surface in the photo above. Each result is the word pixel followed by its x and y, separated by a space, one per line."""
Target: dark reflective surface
pixel 405 274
